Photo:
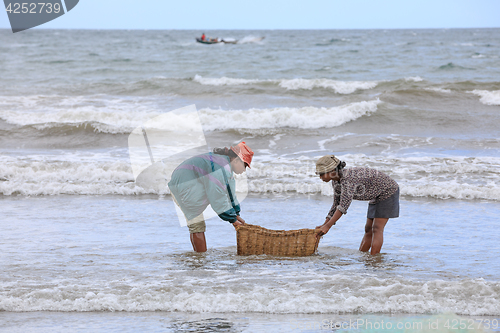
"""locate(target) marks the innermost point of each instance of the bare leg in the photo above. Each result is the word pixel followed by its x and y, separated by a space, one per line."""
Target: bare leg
pixel 366 242
pixel 378 234
pixel 198 241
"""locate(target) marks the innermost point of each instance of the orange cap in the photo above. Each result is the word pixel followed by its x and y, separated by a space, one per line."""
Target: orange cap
pixel 244 152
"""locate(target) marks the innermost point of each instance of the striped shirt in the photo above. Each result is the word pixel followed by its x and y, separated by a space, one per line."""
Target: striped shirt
pixel 361 184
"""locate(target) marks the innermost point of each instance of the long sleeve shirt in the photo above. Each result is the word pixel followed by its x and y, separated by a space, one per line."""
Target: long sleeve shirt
pixel 206 180
pixel 361 183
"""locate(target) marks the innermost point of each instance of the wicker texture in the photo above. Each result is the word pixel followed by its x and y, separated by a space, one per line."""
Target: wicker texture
pixel 253 239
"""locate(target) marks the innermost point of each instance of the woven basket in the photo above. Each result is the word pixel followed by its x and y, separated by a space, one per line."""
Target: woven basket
pixel 252 239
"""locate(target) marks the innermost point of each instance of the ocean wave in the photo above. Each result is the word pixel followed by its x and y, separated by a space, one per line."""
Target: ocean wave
pixel 107 115
pixel 272 118
pixel 144 93
pixel 57 123
pixel 27 177
pixel 311 293
pixel 488 97
pixel 223 81
pixel 58 128
pixel 340 87
pixel 439 90
pixel 452 191
pixel 438 190
pixel 414 79
pixel 120 117
pixel 451 66
pixel 408 83
pixel 88 127
pixel 462 178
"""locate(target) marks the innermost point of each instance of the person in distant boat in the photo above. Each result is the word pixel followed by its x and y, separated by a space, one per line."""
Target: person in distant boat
pixel 208 179
pixel 360 183
pixel 203 37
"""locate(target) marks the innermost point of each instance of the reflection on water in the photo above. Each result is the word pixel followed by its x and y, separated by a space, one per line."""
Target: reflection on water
pixel 207 325
pixel 174 322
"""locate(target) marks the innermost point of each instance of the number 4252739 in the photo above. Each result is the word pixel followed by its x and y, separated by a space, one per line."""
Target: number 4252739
pixel 33 8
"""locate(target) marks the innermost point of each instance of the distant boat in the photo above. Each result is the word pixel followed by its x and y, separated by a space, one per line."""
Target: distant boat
pixel 209 41
pixel 225 41
pixel 216 41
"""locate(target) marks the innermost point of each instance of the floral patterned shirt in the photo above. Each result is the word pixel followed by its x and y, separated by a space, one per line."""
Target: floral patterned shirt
pixel 361 183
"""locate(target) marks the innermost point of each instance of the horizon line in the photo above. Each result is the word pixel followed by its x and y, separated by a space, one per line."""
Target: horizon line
pixel 260 29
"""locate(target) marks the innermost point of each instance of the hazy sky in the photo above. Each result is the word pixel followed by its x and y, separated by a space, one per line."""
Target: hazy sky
pixel 277 14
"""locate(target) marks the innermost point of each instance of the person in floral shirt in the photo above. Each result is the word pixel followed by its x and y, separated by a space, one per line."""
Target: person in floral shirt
pixel 360 183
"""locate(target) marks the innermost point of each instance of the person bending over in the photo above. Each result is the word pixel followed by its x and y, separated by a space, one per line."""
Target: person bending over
pixel 359 183
pixel 208 179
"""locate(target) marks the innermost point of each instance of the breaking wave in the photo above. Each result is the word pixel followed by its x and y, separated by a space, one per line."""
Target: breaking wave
pixel 340 87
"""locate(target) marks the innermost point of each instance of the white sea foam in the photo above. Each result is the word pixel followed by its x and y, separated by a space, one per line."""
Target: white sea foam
pixel 439 90
pixel 251 39
pixel 488 97
pixel 340 87
pixel 305 118
pixel 334 138
pixel 118 116
pixel 28 177
pixel 104 115
pixel 223 81
pixel 452 190
pixel 312 293
pixel 438 177
pixel 414 79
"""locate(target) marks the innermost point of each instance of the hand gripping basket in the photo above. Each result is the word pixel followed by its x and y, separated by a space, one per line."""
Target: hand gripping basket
pixel 252 239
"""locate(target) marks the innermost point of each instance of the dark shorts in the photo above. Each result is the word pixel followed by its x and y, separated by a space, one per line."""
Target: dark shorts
pixel 388 208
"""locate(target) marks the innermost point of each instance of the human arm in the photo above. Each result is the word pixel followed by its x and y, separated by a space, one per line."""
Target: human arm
pixel 326 220
pixel 231 190
pixel 323 230
pixel 336 202
pixel 346 195
pixel 220 197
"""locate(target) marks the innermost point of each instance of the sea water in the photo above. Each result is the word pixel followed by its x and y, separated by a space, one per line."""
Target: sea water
pixel 85 247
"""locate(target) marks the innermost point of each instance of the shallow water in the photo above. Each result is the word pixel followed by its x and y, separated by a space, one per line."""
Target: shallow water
pixel 112 253
pixel 248 322
pixel 85 246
